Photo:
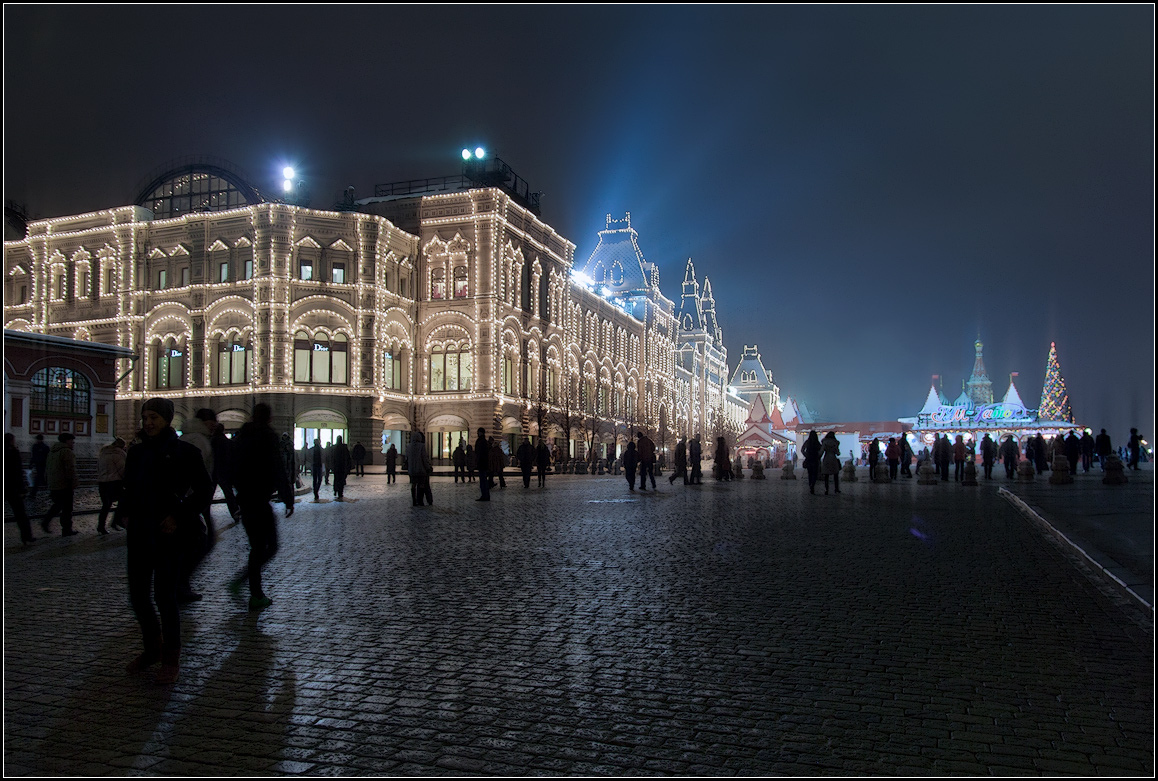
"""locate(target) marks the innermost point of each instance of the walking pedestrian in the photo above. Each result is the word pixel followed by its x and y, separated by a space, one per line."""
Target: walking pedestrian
pixel 723 463
pixel 1041 454
pixel 893 457
pixel 1104 448
pixel 1073 451
pixel 222 473
pixel 458 458
pixel 543 459
pixel 202 535
pixel 166 486
pixel 645 449
pixel 317 467
pixel 327 462
pixel 874 455
pixel 391 464
pixel 498 462
pixel 681 462
pixel 1087 443
pixel 259 472
pixel 526 456
pixel 830 460
pixel 289 457
pixel 341 462
pixel 812 452
pixel 358 453
pixel 16 487
pixel 630 462
pixel 483 455
pixel 906 457
pixel 418 466
pixel 695 456
pixel 959 452
pixel 988 455
pixel 40 452
pixel 1009 456
pixel 1134 449
pixel 62 483
pixel 110 481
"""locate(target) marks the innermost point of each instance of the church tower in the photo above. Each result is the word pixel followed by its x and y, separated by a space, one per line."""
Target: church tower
pixel 979 389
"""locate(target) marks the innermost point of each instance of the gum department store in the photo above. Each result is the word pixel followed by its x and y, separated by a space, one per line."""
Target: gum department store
pixel 442 305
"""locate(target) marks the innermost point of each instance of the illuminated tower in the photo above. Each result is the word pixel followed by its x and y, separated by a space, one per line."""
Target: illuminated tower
pixel 979 389
pixel 1055 402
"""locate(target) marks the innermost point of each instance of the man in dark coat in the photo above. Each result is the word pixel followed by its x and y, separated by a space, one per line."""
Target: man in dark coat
pixel 482 452
pixel 258 472
pixel 16 486
pixel 1073 448
pixel 39 466
pixel 341 462
pixel 166 486
pixel 1009 456
pixel 1041 455
pixel 358 453
pixel 1087 450
pixel 695 454
pixel 942 456
pixel 526 456
pixel 988 456
pixel 630 461
pixel 317 467
pixel 646 450
pixel 391 465
pixel 543 457
pixel 222 473
pixel 458 458
pixel 1104 448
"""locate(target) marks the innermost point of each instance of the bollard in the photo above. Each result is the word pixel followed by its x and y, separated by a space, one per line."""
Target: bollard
pixel 848 473
pixel 1115 472
pixel 1060 471
pixel 970 473
pixel 927 473
pixel 1025 471
pixel 788 472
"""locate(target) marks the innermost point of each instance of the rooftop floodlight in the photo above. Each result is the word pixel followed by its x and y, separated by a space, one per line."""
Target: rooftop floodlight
pixel 287 172
pixel 287 185
pixel 480 153
pixel 466 154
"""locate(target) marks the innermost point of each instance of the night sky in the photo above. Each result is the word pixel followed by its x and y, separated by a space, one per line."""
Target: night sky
pixel 868 188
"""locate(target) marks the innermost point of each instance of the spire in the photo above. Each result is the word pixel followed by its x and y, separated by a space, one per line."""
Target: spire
pixel 932 401
pixel 979 388
pixel 1011 395
pixel 708 304
pixel 689 317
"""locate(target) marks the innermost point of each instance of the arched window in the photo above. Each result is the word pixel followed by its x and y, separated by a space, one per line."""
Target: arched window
pixel 59 391
pixel 451 367
pixel 392 369
pixel 233 358
pixel 460 281
pixel 170 362
pixel 438 284
pixel 321 360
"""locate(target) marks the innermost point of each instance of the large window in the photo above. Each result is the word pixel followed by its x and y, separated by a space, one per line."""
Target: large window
pixel 460 281
pixel 60 391
pixel 233 358
pixel 170 363
pixel 321 360
pixel 450 368
pixel 438 284
pixel 392 370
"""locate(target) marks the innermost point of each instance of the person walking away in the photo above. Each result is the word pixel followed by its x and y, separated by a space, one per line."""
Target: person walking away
pixel 830 460
pixel 526 456
pixel 196 431
pixel 681 462
pixel 959 453
pixel 458 458
pixel 40 452
pixel 1040 454
pixel 482 453
pixel 328 461
pixel 812 452
pixel 166 486
pixel 259 472
pixel 893 457
pixel 630 462
pixel 906 457
pixel 317 467
pixel 874 456
pixel 1103 448
pixel 342 465
pixel 358 453
pixel 723 463
pixel 419 467
pixel 391 464
pixel 695 456
pixel 1009 456
pixel 221 474
pixel 110 481
pixel 471 463
pixel 645 450
pixel 498 461
pixel 1134 448
pixel 16 487
pixel 1073 450
pixel 543 461
pixel 62 483
pixel 1087 444
pixel 988 455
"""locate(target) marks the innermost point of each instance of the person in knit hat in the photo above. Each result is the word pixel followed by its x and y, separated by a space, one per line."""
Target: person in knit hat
pixel 166 485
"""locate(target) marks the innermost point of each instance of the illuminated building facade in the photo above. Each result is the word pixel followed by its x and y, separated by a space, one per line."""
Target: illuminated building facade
pixel 438 312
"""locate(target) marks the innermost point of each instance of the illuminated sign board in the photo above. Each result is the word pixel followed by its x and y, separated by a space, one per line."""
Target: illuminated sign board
pixel 969 415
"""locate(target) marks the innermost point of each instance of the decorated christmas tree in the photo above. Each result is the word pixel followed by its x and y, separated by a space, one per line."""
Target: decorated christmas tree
pixel 1055 402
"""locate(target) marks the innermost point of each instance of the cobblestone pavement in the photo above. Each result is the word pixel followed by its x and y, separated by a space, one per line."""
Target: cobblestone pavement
pixel 726 629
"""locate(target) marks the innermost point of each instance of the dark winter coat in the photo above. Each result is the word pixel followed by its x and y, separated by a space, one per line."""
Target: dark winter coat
pixel 258 467
pixel 164 477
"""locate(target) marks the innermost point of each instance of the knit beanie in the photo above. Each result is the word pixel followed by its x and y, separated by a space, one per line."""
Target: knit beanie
pixel 162 407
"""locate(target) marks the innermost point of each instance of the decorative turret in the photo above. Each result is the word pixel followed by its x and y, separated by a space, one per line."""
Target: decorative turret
pixel 979 388
pixel 689 316
pixel 1011 395
pixel 708 305
pixel 617 262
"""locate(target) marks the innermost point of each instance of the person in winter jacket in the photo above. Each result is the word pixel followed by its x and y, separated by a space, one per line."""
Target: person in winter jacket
pixel 695 457
pixel 358 453
pixel 630 462
pixel 498 461
pixel 16 487
pixel 258 473
pixel 526 456
pixel 812 452
pixel 342 464
pixel 681 462
pixel 418 466
pixel 166 485
pixel 110 481
pixel 1009 456
pixel 893 457
pixel 62 483
pixel 830 460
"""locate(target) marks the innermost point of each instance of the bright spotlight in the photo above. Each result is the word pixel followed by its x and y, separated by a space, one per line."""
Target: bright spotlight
pixel 287 185
pixel 480 153
pixel 287 172
pixel 466 154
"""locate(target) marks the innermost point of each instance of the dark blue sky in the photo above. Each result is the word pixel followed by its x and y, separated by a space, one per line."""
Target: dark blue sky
pixel 868 188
